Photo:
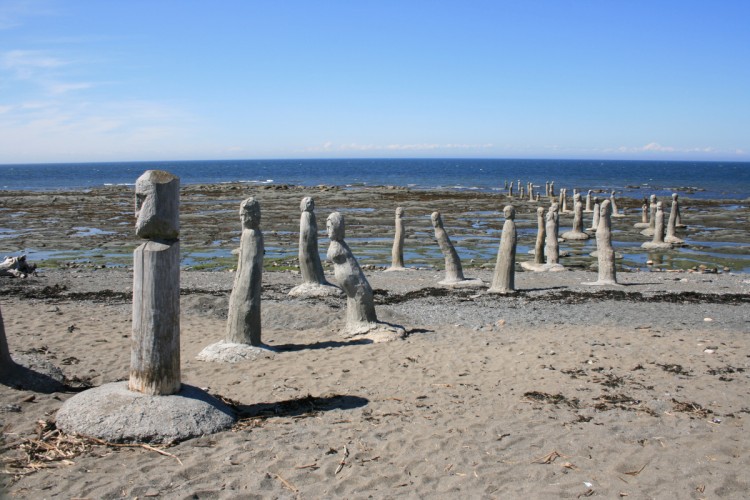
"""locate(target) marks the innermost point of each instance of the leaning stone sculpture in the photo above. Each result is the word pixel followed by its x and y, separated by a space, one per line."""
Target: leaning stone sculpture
pixel 672 224
pixel 503 281
pixel 454 274
pixel 649 231
pixel 314 283
pixel 577 232
pixel 397 252
pixel 658 243
pixel 539 245
pixel 604 250
pixel 153 405
pixel 243 328
pixel 361 320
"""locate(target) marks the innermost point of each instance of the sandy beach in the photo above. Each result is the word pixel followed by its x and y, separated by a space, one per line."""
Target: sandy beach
pixel 560 391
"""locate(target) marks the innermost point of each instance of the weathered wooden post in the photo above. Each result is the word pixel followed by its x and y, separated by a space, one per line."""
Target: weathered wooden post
pixel 155 347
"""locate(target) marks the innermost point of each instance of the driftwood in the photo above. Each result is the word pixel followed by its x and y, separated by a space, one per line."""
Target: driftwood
pixel 16 267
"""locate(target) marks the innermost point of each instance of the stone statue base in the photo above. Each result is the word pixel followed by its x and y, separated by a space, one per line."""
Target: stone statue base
pixel 641 225
pixel 375 332
pixel 229 352
pixel 602 283
pixel 674 240
pixel 542 268
pixel 113 413
pixel 501 291
pixel 390 269
pixel 595 254
pixel 464 283
pixel 574 235
pixel 650 245
pixel 649 231
pixel 311 290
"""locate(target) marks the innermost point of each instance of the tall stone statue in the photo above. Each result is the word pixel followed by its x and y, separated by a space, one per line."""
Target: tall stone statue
pixel 649 231
pixel 153 405
pixel 360 305
pixel 552 189
pixel 658 243
pixel 454 274
pixel 531 191
pixel 672 225
pixel 577 232
pixel 596 216
pixel 510 190
pixel 314 283
pixel 644 216
pixel 604 249
pixel 155 345
pixel 676 207
pixel 397 252
pixel 538 251
pixel 503 280
pixel 551 247
pixel 588 208
pixel 563 202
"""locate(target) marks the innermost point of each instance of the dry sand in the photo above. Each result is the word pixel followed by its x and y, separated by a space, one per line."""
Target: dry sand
pixel 561 391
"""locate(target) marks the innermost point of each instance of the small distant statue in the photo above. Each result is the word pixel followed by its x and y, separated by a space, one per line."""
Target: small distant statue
pixel 676 207
pixel 644 216
pixel 604 249
pixel 454 274
pixel 314 283
pixel 615 211
pixel 595 217
pixel 539 246
pixel 649 231
pixel 577 232
pixel 658 243
pixel 397 252
pixel 551 248
pixel 361 319
pixel 503 280
pixel 588 208
pixel 672 224
pixel 243 329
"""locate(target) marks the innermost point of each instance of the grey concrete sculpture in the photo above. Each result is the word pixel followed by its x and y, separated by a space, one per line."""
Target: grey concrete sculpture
pixel 503 280
pixel 361 319
pixel 531 191
pixel 153 405
pixel 314 283
pixel 552 189
pixel 588 208
pixel 605 251
pixel 510 190
pixel 538 250
pixel 563 201
pixel 672 224
pixel 546 189
pixel 397 252
pixel 613 201
pixel 649 231
pixel 658 243
pixel 644 216
pixel 577 232
pixel 454 274
pixel 596 216
pixel 551 248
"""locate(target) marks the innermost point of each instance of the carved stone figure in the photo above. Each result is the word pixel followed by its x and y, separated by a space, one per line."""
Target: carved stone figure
pixel 588 208
pixel 644 216
pixel 649 231
pixel 454 274
pixel 314 283
pixel 658 243
pixel 360 305
pixel 613 201
pixel 577 232
pixel 672 224
pixel 605 251
pixel 397 252
pixel 596 216
pixel 563 201
pixel 503 280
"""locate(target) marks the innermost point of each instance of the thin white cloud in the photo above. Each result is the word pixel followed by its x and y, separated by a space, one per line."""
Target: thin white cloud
pixel 13 13
pixel 330 146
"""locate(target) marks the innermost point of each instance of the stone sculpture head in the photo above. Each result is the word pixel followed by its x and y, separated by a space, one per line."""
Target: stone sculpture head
pixel 577 197
pixel 335 226
pixel 250 213
pixel 540 212
pixel 674 196
pixel 307 204
pixel 605 209
pixel 157 205
pixel 399 212
pixel 653 198
pixel 437 221
pixel 659 206
pixel 552 211
pixel 509 212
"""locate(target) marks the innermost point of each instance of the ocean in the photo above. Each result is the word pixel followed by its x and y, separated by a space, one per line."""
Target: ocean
pixel 633 179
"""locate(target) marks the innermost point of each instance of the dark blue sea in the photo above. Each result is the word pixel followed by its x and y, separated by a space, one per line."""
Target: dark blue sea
pixel 635 179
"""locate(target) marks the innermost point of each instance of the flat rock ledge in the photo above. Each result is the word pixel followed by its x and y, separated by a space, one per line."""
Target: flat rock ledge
pixel 229 352
pixel 113 413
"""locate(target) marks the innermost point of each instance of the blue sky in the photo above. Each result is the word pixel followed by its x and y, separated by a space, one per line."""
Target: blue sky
pixel 178 80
